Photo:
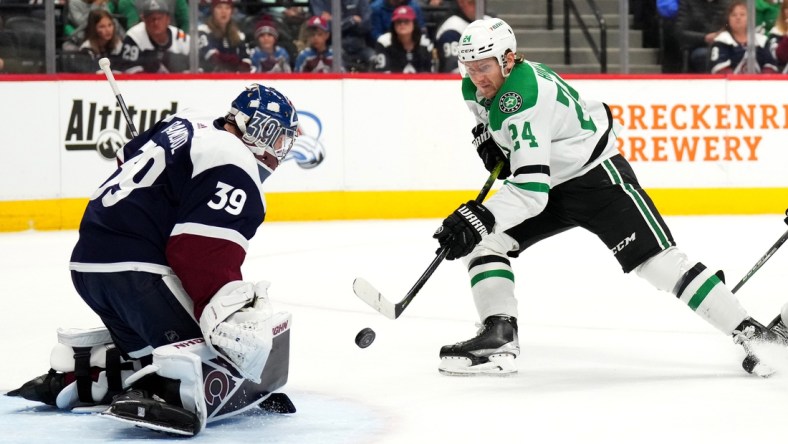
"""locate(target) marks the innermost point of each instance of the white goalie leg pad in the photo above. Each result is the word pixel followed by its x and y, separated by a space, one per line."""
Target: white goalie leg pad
pixel 209 385
pixel 491 276
pixel 84 352
pixel 182 361
pixel 237 324
pixel 695 285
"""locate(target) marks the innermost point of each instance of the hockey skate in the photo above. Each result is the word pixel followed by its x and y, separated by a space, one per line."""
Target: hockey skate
pixel 144 409
pixel 44 388
pixel 750 333
pixel 491 352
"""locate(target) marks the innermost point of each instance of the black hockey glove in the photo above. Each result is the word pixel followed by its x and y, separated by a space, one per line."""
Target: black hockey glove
pixel 463 229
pixel 489 151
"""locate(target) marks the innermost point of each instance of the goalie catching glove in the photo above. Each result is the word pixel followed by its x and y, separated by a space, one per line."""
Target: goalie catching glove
pixel 489 151
pixel 237 325
pixel 464 228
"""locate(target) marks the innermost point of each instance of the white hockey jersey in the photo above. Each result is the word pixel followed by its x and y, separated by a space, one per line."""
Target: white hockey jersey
pixel 140 54
pixel 549 134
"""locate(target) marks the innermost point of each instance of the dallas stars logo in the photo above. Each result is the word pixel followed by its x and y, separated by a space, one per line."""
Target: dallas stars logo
pixel 466 39
pixel 510 102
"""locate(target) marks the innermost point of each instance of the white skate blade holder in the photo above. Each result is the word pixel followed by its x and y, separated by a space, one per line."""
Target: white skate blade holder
pixel 498 365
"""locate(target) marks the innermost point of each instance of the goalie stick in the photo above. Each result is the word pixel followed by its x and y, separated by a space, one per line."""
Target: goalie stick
pixel 763 259
pixel 367 293
pixel 104 65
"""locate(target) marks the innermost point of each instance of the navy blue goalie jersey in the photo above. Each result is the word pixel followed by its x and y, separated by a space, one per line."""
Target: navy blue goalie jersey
pixel 186 199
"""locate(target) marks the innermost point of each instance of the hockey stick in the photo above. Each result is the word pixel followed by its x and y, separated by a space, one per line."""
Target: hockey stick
pixel 763 259
pixel 104 65
pixel 367 293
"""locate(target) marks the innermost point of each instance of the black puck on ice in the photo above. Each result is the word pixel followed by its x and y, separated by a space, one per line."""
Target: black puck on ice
pixel 365 337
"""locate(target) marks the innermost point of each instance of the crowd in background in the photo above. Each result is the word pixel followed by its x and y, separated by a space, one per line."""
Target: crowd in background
pixel 240 36
pixel 711 36
pixel 409 36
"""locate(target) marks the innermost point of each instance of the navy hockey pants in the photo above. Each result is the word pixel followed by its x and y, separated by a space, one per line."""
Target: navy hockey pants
pixel 138 309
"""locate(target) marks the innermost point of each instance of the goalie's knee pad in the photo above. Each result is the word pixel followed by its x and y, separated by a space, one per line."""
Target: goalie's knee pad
pixel 97 366
pixel 208 384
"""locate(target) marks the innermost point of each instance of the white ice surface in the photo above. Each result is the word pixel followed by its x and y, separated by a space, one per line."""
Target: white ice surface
pixel 605 357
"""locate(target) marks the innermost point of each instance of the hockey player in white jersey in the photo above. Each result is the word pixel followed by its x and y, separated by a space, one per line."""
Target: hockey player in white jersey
pixel 561 171
pixel 186 341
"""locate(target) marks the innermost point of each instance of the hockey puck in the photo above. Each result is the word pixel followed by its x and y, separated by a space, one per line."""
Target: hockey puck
pixel 365 337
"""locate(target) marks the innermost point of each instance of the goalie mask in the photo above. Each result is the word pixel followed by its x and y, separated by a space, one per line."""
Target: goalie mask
pixel 486 38
pixel 267 120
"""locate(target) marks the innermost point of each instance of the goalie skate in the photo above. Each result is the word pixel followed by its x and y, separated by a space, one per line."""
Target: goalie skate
pixel 142 409
pixel 491 352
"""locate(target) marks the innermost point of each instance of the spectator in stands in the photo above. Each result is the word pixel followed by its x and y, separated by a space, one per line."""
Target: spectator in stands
pixel 766 12
pixel 8 52
pixel 698 23
pixel 132 9
pixel 289 23
pixel 448 35
pixel 317 56
pixel 729 47
pixel 778 39
pixel 77 17
pixel 381 15
pixel 267 56
pixel 101 38
pixel 404 48
pixel 358 54
pixel 670 55
pixel 155 46
pixel 222 44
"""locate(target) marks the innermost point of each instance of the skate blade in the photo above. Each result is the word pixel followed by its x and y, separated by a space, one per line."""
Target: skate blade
pixel 145 424
pixel 498 365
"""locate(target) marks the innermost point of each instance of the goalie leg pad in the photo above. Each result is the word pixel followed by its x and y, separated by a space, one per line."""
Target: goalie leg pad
pixel 86 370
pixel 205 384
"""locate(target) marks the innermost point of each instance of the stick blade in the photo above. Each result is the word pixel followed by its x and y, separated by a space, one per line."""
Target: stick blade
pixel 367 293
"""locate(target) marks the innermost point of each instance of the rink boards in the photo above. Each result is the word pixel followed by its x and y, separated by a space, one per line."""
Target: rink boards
pixel 380 147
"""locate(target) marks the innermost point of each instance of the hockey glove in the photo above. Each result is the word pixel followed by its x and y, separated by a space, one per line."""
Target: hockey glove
pixel 489 151
pixel 237 324
pixel 463 229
